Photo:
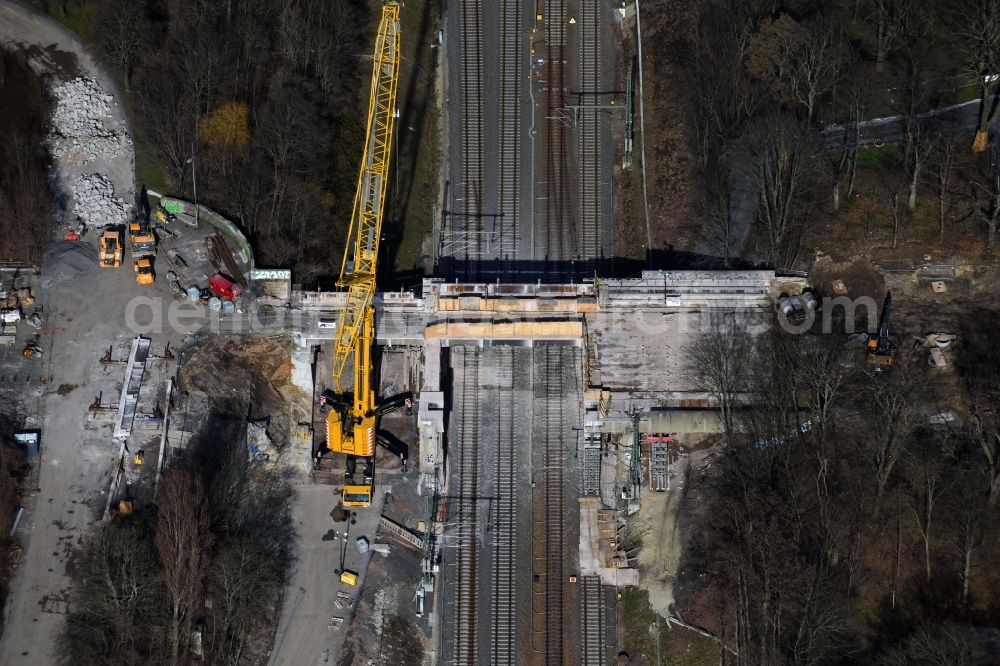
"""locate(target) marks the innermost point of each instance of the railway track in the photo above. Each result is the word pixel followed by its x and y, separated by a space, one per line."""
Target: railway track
pixel 511 54
pixel 503 631
pixel 592 622
pixel 551 606
pixel 590 149
pixel 466 407
pixel 470 17
pixel 558 223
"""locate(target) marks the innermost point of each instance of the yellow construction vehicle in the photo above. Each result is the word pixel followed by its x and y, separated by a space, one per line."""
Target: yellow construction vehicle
pixel 140 232
pixel 881 347
pixel 144 271
pixel 112 251
pixel 141 236
pixel 164 215
pixel 352 422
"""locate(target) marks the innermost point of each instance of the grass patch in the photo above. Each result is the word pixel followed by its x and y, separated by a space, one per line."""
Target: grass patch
pixel 887 157
pixel 149 170
pixel 78 18
pixel 657 644
pixel 690 650
pixel 637 619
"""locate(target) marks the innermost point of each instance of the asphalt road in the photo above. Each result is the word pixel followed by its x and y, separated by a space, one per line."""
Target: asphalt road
pixel 82 318
pixel 303 636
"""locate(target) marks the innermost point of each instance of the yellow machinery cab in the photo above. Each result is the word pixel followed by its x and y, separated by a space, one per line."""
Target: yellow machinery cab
pixel 140 236
pixel 144 271
pixel 881 353
pixel 111 249
pixel 357 496
pixel 348 577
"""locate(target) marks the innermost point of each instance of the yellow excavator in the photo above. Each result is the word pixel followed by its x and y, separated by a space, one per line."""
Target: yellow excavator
pixel 881 352
pixel 353 419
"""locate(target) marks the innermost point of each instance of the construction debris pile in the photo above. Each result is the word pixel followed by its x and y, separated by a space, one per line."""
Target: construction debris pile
pixel 67 260
pixel 80 133
pixel 94 201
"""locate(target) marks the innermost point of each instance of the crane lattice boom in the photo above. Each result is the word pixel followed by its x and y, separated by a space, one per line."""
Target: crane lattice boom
pixel 358 270
pixel 352 424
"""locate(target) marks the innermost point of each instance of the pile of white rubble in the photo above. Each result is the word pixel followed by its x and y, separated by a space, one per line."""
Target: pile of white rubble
pixel 79 131
pixel 95 202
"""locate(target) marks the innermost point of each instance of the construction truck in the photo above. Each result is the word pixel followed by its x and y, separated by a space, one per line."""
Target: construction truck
pixel 112 252
pixel 352 423
pixel 881 347
pixel 144 270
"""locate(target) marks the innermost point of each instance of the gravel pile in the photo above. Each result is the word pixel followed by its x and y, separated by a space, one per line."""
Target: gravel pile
pixel 79 132
pixel 94 201
pixel 69 260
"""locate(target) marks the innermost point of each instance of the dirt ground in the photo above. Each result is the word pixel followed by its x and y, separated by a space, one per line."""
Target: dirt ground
pixel 662 519
pixel 673 199
pixel 246 372
pixel 966 308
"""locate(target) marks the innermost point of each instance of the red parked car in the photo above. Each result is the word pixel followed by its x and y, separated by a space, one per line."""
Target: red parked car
pixel 223 287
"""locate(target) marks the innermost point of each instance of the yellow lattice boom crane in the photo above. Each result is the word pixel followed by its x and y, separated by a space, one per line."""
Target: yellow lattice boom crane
pixel 352 422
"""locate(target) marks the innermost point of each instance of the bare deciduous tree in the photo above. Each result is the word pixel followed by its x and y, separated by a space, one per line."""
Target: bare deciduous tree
pixel 168 119
pixel 935 643
pixel 183 543
pixel 885 14
pixel 925 471
pixel 785 153
pixel 123 30
pixel 985 193
pixel 977 26
pixel 845 162
pixel 720 363
pixel 988 441
pixel 940 166
pixel 892 401
pixel 800 63
pixel 120 589
pixel 968 511
pixel 244 583
pixel 892 194
pixel 824 378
